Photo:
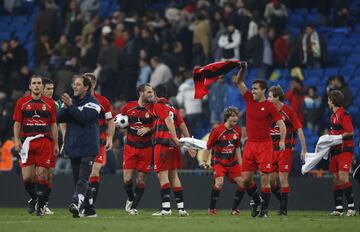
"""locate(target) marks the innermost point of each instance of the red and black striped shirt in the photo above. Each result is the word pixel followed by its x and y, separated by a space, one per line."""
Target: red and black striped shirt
pixel 292 124
pixel 223 143
pixel 139 117
pixel 105 114
pixel 162 109
pixel 35 116
pixel 340 123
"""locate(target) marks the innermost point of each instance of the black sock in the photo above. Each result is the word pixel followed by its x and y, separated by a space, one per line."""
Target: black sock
pixel 139 191
pixel 42 194
pixel 338 199
pixel 348 191
pixel 94 186
pixel 215 193
pixel 284 201
pixel 265 195
pixel 179 197
pixel 276 192
pixel 253 193
pixel 49 192
pixel 129 191
pixel 30 189
pixel 238 197
pixel 165 197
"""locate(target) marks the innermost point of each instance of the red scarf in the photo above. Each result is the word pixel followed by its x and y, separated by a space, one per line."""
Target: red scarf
pixel 205 76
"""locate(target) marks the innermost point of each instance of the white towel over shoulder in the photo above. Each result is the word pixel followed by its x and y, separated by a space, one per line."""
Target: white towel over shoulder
pixel 191 143
pixel 25 147
pixel 322 149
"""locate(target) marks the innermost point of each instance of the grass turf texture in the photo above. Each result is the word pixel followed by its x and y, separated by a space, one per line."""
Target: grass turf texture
pixel 15 219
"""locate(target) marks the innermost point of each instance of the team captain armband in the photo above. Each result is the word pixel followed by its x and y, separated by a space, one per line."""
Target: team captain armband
pixel 92 105
pixel 108 115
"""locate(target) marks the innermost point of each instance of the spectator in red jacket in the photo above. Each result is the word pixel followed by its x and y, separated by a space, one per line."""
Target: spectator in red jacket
pixel 281 50
pixel 295 96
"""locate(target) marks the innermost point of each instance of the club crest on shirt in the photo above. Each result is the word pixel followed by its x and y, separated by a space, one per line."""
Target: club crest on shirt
pixel 28 107
pixel 262 109
pixel 43 107
pixel 147 115
pixel 234 137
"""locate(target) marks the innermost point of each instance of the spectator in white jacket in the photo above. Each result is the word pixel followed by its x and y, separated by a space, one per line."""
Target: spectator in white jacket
pixel 192 106
pixel 230 43
pixel 161 73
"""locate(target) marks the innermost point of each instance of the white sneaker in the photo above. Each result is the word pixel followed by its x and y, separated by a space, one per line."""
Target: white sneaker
pixel 336 213
pixel 162 213
pixel 47 211
pixel 183 213
pixel 351 213
pixel 128 205
pixel 133 212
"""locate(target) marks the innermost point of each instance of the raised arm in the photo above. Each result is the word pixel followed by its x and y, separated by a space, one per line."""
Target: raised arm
pixel 240 79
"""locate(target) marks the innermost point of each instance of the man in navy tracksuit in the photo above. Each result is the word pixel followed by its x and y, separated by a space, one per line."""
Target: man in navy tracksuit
pixel 81 114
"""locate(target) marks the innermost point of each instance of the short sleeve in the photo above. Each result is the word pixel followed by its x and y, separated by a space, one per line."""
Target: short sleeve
pixel 347 123
pixel 53 112
pixel 161 110
pixel 275 114
pixel 17 116
pixel 211 140
pixel 248 97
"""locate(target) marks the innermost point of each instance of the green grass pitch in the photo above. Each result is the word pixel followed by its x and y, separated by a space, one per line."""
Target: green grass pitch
pixel 15 219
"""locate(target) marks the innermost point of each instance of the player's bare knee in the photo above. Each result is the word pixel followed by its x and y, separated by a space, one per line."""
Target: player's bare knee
pixel 141 178
pixel 343 178
pixel 219 182
pixel 283 177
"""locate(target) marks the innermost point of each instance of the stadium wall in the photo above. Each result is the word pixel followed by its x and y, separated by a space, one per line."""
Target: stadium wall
pixel 307 193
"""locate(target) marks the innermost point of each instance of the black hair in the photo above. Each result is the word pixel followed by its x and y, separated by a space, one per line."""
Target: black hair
pixel 161 91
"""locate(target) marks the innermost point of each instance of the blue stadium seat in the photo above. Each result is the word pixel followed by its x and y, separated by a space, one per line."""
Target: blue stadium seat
pixel 348 70
pixel 330 72
pixel 5 35
pixel 345 48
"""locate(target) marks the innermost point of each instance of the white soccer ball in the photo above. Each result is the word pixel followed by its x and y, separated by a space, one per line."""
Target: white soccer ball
pixel 121 121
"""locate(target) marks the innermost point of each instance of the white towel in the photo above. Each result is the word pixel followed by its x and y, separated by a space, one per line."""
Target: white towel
pixel 322 149
pixel 25 147
pixel 191 143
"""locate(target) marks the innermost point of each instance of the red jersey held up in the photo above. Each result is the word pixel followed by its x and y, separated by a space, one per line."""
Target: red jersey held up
pixel 105 114
pixel 35 116
pixel 139 116
pixel 292 124
pixel 340 123
pixel 259 118
pixel 223 142
pixel 162 109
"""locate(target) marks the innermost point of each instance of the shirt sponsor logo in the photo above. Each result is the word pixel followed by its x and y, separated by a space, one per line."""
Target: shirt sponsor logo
pixel 262 109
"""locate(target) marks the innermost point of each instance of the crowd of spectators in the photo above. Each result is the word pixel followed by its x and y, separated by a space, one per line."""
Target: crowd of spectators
pixel 135 45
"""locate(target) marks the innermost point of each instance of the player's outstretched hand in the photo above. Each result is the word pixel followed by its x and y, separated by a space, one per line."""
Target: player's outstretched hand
pixel 18 145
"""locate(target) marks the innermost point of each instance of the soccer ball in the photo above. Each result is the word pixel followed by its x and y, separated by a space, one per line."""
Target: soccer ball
pixel 121 121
